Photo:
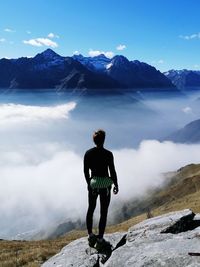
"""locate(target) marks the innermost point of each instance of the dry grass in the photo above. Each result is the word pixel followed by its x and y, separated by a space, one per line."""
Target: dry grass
pixel 33 253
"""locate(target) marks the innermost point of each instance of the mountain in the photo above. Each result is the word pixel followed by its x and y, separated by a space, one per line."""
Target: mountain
pixel 184 78
pixel 50 70
pixel 133 74
pixel 97 63
pixel 189 134
pixel 136 74
pixel 165 240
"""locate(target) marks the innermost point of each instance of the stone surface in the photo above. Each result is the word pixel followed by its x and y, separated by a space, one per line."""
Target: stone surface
pixel 145 246
pixel 78 253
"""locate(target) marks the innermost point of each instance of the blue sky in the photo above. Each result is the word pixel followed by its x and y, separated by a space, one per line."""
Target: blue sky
pixel 163 33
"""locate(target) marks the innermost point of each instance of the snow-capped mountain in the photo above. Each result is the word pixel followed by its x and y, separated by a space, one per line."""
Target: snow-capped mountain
pixel 132 74
pixel 50 70
pixel 184 78
pixel 98 63
pixel 47 59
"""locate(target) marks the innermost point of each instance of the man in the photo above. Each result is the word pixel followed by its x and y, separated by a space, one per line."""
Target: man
pixel 99 173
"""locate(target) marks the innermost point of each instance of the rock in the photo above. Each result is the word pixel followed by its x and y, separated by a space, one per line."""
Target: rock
pixel 77 253
pixel 154 242
pixel 147 246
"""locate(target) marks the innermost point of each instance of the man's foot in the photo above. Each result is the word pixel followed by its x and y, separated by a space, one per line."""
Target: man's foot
pixel 92 239
pixel 102 245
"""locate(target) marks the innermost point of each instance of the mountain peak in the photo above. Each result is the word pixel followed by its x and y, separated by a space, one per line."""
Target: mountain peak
pixel 100 56
pixel 119 59
pixel 48 53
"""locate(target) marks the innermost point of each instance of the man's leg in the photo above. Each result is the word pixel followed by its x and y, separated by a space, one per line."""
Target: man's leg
pixel 104 204
pixel 92 200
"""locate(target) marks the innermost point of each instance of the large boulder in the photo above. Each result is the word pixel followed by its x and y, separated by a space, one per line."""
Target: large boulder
pixel 165 240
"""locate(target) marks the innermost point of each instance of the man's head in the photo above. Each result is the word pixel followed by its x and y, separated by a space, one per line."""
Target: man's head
pixel 99 137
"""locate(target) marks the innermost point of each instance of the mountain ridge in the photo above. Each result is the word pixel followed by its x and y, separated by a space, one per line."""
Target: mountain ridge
pixel 50 70
pixel 190 133
pixel 183 79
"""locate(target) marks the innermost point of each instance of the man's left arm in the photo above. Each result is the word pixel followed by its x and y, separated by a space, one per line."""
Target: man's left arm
pixel 86 169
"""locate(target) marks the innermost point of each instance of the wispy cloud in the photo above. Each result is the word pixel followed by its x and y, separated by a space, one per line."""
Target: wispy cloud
pixel 187 110
pixel 2 40
pixel 41 42
pixel 160 61
pixel 8 30
pixel 52 35
pixel 190 37
pixel 121 47
pixel 28 32
pixel 197 66
pixel 76 52
pixel 94 53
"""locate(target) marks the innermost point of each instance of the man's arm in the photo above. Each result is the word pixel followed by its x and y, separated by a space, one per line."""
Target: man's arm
pixel 113 173
pixel 86 169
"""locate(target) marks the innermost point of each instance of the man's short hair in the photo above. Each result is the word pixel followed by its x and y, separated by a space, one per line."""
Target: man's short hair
pixel 99 137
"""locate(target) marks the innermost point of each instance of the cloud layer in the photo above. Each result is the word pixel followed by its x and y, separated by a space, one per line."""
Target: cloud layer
pixel 16 113
pixel 46 182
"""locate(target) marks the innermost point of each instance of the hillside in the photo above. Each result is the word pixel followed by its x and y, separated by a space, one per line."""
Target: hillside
pixel 181 191
pixel 190 133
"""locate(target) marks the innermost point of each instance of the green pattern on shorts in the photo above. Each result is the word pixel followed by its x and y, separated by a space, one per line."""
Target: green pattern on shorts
pixel 100 182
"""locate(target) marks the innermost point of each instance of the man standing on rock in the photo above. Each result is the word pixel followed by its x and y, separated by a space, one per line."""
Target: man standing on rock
pixel 100 174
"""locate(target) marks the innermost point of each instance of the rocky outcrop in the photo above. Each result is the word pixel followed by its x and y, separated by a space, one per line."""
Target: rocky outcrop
pixel 165 240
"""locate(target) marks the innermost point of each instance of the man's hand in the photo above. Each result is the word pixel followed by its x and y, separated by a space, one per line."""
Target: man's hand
pixel 115 189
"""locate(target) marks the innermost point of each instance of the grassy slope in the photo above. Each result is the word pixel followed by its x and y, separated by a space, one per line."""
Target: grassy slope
pixel 182 192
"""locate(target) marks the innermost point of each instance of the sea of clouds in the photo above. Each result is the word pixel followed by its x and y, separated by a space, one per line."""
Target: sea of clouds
pixel 41 174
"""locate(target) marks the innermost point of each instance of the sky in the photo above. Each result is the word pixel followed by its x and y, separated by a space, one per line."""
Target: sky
pixel 163 33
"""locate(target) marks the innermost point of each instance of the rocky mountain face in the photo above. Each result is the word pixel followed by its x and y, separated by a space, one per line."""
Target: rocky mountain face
pixel 168 240
pixel 189 134
pixel 50 70
pixel 133 74
pixel 184 78
pixel 136 74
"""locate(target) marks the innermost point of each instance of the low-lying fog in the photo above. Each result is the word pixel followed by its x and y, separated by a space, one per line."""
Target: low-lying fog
pixel 44 137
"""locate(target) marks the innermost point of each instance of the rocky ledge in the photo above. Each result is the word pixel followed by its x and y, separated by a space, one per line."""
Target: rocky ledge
pixel 169 240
